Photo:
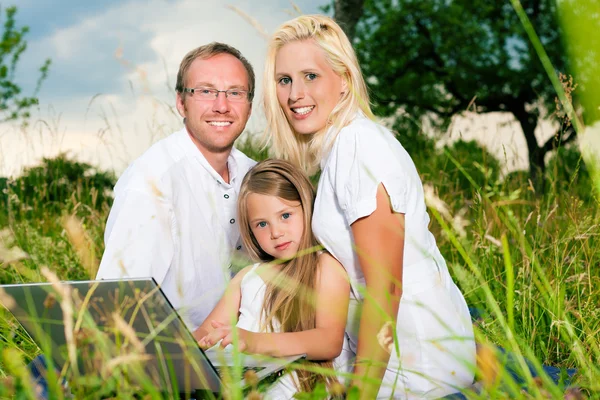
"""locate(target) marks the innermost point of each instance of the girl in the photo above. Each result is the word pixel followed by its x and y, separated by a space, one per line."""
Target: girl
pixel 295 300
pixel 369 214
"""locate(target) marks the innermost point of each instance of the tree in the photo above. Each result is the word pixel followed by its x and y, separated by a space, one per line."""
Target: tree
pixel 439 58
pixel 13 105
pixel 347 13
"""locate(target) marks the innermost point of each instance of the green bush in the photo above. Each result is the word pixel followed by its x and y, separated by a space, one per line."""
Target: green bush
pixel 56 185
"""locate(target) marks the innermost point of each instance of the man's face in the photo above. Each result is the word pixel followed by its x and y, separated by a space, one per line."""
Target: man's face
pixel 214 124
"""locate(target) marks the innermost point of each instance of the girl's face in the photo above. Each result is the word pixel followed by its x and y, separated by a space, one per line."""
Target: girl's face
pixel 277 224
pixel 307 87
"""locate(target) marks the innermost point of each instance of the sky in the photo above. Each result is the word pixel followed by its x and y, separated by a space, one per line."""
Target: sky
pixel 109 93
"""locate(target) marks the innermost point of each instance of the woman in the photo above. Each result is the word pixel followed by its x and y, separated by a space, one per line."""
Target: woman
pixel 370 214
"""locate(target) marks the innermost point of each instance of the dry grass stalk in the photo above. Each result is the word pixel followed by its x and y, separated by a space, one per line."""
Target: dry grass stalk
pixel 10 253
pixel 82 243
pixel 67 308
pixel 128 332
pixel 154 189
pixel 124 360
pixel 129 65
pixel 458 221
pixel 488 365
pixel 254 395
pixel 385 337
pixel 251 20
pixel 7 300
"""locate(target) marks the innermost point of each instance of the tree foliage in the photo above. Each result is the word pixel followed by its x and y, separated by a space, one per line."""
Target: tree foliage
pixel 14 105
pixel 439 58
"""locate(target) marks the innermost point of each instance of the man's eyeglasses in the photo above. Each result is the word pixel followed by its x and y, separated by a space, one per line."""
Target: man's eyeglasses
pixel 205 93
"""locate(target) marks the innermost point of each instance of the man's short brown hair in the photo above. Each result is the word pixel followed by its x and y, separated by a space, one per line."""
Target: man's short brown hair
pixel 208 51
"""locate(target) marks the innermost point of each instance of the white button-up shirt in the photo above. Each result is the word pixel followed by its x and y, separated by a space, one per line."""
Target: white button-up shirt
pixel 174 219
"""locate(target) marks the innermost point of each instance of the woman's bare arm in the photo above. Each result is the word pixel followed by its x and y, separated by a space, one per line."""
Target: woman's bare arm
pixel 379 240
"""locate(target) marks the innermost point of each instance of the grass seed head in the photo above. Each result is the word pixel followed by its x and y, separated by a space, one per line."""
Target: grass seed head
pixel 254 395
pixel 7 300
pixel 488 365
pixel 251 378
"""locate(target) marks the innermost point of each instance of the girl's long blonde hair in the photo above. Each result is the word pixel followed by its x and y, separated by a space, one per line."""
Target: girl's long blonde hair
pixel 290 295
pixel 306 151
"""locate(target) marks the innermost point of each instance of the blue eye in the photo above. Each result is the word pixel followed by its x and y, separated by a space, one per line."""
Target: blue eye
pixel 311 76
pixel 285 80
pixel 285 215
pixel 261 224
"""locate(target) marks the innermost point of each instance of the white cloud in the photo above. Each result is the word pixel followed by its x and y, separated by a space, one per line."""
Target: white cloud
pixel 108 88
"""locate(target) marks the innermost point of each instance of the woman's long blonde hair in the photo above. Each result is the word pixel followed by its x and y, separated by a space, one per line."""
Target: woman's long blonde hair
pixel 290 296
pixel 306 151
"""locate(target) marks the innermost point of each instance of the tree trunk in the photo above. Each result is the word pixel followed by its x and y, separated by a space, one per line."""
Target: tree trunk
pixel 347 13
pixel 537 167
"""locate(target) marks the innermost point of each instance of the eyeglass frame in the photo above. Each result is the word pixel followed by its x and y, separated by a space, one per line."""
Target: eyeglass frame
pixel 216 92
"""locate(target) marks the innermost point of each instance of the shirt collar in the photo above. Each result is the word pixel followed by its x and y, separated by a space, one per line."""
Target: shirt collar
pixel 192 151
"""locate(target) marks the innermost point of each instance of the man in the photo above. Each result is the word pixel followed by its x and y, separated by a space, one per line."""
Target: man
pixel 174 214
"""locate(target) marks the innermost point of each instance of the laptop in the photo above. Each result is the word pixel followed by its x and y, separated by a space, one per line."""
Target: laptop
pixel 129 329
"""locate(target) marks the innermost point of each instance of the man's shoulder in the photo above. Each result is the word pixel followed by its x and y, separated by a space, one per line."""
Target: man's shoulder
pixel 243 161
pixel 154 164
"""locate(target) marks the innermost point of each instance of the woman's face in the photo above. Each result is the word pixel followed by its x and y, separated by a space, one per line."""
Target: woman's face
pixel 307 88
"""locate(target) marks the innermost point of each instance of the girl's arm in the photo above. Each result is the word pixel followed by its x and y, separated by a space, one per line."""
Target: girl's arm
pixel 325 341
pixel 227 309
pixel 379 239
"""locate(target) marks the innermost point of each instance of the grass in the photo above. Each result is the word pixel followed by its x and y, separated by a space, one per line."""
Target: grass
pixel 529 262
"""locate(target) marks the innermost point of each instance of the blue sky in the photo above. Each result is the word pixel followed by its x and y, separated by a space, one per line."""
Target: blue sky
pixel 82 37
pixel 108 95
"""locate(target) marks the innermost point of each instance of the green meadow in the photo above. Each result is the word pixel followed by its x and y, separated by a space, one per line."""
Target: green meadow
pixel 528 261
pixel 525 253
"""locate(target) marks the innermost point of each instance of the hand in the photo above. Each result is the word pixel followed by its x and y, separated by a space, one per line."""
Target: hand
pixel 224 333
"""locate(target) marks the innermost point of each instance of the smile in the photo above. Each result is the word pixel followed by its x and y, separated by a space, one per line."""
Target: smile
pixel 283 246
pixel 303 110
pixel 219 123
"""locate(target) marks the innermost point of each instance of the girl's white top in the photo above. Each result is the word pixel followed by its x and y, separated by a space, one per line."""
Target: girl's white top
pixel 253 290
pixel 251 304
pixel 363 155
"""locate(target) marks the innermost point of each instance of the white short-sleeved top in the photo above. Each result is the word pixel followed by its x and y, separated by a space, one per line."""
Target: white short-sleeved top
pixel 363 155
pixel 174 219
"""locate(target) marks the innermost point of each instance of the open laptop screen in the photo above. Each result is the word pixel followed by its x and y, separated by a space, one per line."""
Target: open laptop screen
pixel 119 328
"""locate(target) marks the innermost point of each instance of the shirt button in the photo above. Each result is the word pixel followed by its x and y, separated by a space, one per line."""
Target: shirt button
pixel 232 221
pixel 226 196
pixel 239 248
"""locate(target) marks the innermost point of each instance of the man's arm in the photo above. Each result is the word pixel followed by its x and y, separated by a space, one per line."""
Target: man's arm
pixel 138 237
